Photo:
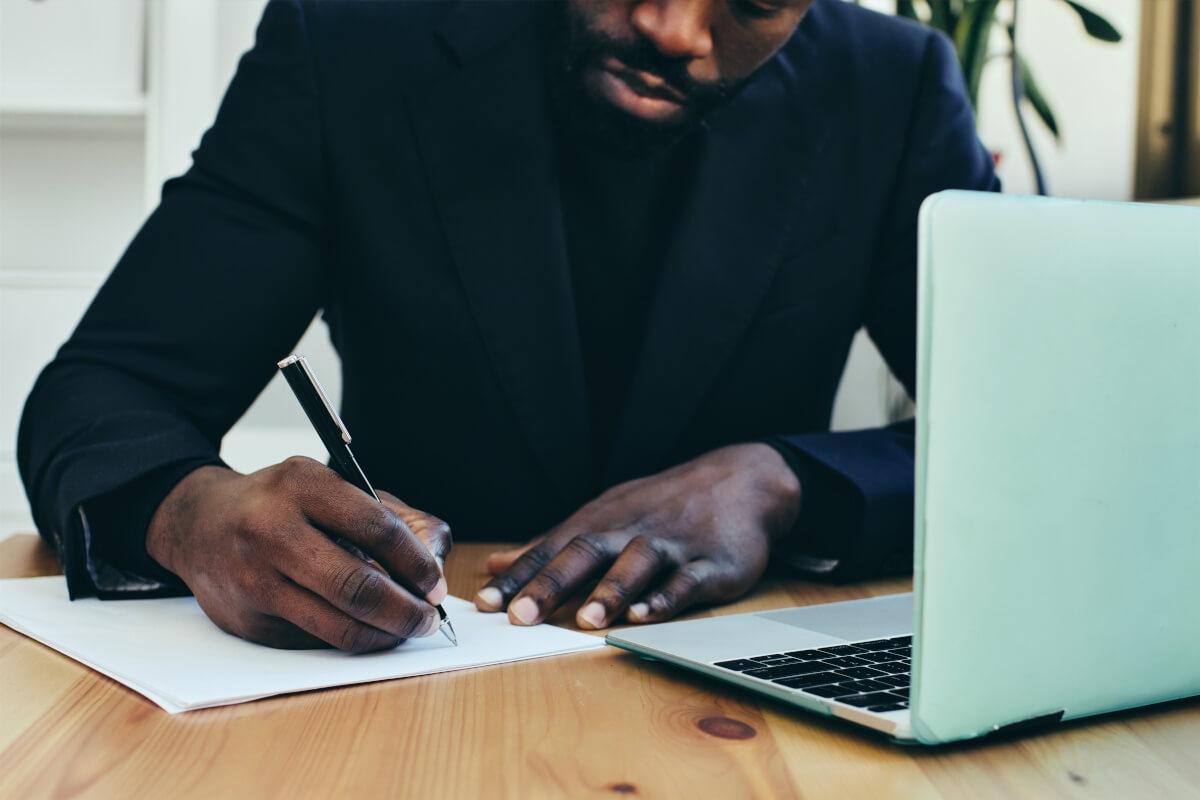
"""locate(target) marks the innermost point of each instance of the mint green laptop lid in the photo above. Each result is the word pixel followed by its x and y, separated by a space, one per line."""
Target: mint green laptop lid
pixel 1058 460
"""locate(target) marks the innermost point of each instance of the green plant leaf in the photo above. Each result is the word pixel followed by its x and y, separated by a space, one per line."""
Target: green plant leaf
pixel 971 36
pixel 1096 26
pixel 906 8
pixel 942 16
pixel 1036 99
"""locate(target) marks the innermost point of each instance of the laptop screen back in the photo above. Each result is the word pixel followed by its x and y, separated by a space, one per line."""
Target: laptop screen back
pixel 1058 471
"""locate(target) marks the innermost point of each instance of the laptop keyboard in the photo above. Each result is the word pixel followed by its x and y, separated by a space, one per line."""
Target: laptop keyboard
pixel 873 675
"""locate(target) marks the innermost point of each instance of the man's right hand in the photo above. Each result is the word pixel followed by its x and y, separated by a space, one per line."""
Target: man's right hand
pixel 257 551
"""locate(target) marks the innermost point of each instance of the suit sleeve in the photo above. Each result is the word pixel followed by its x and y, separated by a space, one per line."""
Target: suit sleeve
pixel 220 282
pixel 858 485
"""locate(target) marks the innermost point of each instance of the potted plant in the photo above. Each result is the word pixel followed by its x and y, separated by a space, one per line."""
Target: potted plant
pixel 969 25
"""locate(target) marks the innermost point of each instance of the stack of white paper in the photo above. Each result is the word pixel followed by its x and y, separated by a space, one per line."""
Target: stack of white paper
pixel 170 652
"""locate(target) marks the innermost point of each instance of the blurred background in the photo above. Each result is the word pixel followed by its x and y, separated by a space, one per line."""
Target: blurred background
pixel 102 100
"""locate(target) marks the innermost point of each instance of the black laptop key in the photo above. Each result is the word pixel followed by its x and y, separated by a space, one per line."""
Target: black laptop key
pixel 878 644
pixel 902 691
pixel 893 667
pixel 786 670
pixel 882 656
pixel 889 707
pixel 847 661
pixel 903 651
pixel 865 686
pixel 813 679
pixel 894 680
pixel 865 700
pixel 901 641
pixel 857 673
pixel 842 650
pixel 827 691
pixel 738 665
pixel 807 655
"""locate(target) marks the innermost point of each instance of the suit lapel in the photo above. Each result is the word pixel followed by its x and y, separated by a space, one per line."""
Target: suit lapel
pixel 751 203
pixel 487 139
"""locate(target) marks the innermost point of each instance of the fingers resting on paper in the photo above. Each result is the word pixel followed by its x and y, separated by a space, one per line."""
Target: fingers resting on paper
pixel 653 547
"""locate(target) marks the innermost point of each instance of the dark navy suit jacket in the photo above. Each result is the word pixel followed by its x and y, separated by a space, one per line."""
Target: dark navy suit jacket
pixel 393 166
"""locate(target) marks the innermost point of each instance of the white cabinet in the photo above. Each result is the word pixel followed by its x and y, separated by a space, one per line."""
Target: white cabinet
pixel 70 53
pixel 100 101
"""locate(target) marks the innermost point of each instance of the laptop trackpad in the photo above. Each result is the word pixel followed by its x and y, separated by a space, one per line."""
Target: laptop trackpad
pixel 857 620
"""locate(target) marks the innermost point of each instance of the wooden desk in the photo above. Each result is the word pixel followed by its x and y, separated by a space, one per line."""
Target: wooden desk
pixel 591 724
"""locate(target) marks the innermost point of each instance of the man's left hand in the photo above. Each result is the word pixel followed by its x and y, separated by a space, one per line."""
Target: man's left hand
pixel 697 533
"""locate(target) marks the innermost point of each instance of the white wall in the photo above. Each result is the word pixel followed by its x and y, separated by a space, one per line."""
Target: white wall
pixel 1092 87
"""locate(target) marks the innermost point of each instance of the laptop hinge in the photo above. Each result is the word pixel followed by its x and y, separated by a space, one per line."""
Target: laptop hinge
pixel 1029 725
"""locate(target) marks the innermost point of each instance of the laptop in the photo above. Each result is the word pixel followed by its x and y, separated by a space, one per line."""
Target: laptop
pixel 1057 510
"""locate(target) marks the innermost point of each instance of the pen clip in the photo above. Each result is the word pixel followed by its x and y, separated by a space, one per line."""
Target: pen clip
pixel 308 373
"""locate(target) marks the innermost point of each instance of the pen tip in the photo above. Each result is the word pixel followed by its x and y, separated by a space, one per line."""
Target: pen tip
pixel 448 630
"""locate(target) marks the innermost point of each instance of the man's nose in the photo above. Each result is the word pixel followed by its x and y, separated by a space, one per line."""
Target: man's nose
pixel 677 28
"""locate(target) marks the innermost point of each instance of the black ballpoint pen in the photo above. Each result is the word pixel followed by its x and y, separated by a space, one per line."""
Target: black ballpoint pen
pixel 336 438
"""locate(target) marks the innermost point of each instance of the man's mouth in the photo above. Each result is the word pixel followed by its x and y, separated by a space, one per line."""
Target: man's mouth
pixel 639 93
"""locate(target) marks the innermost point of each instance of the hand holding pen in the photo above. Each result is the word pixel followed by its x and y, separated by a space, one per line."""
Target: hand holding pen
pixel 260 553
pixel 257 551
pixel 324 418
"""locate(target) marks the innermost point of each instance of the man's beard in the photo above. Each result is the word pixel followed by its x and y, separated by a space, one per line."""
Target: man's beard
pixel 573 48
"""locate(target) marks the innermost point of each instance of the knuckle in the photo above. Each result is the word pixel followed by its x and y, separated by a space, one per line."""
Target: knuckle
pixel 549 583
pixel 412 623
pixel 531 563
pixel 390 498
pixel 686 582
pixel 249 583
pixel 645 545
pixel 613 586
pixel 588 545
pixel 299 465
pixel 257 519
pixel 382 530
pixel 426 569
pixel 295 471
pixel 361 589
pixel 536 558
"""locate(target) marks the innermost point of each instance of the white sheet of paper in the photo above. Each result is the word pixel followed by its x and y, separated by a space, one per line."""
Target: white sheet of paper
pixel 167 650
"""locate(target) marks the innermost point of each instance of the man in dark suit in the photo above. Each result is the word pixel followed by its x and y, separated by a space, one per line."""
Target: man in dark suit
pixel 592 268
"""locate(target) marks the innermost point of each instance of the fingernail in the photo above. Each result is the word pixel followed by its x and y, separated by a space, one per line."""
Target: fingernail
pixel 638 611
pixel 438 593
pixel 591 616
pixel 524 610
pixel 490 598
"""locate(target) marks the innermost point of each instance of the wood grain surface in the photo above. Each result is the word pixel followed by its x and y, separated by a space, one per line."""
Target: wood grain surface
pixel 602 723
